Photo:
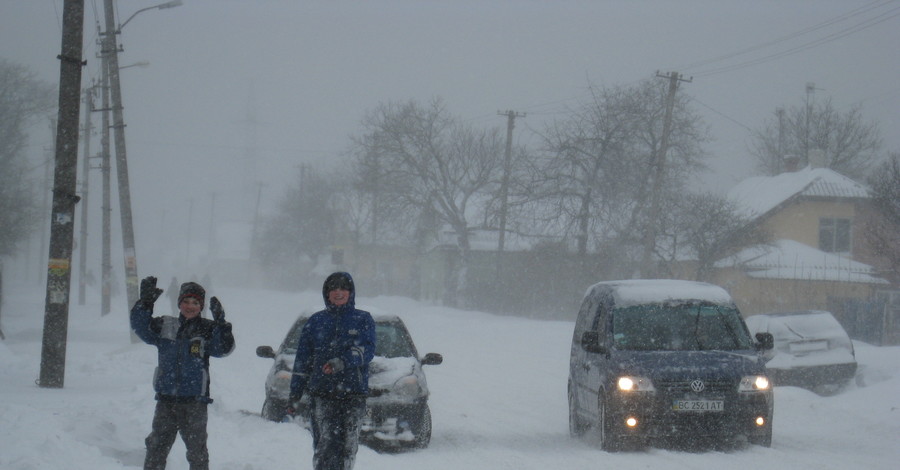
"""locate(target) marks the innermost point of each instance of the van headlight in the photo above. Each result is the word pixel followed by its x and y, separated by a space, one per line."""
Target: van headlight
pixel 754 383
pixel 408 386
pixel 631 383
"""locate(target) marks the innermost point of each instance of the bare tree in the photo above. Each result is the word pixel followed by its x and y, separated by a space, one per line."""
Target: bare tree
pixel 706 228
pixel 883 230
pixel 598 161
pixel 434 165
pixel 22 98
pixel 302 229
pixel 850 143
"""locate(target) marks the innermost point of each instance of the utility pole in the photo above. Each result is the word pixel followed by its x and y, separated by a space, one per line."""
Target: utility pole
pixel 255 235
pixel 659 173
pixel 111 52
pixel 105 165
pixel 62 215
pixel 781 163
pixel 504 182
pixel 85 172
pixel 212 251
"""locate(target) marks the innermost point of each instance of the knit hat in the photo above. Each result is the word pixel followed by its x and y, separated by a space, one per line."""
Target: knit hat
pixel 192 289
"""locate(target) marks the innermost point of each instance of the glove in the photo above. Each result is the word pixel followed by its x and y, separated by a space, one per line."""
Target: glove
pixel 149 292
pixel 218 312
pixel 293 405
pixel 333 366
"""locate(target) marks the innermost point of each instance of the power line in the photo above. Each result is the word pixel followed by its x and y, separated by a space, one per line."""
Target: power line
pixel 868 23
pixel 787 37
pixel 720 113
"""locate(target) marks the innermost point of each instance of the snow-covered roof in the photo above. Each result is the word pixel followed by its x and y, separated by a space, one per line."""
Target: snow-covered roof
pixel 648 291
pixel 758 195
pixel 789 259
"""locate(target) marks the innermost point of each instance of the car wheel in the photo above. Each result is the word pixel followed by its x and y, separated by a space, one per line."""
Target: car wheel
pixel 609 441
pixel 577 426
pixel 272 411
pixel 421 427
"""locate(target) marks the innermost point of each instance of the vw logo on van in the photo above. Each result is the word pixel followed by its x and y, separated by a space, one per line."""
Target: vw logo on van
pixel 697 385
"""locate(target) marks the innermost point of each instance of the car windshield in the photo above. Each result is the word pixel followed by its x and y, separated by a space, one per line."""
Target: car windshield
pixel 391 339
pixel 681 327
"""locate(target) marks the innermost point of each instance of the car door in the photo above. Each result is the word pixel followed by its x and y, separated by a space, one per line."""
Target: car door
pixel 578 355
pixel 596 363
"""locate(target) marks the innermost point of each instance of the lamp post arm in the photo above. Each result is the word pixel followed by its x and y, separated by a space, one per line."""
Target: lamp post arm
pixel 172 4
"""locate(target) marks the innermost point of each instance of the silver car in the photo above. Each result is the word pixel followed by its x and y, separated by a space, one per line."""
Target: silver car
pixel 812 350
pixel 397 416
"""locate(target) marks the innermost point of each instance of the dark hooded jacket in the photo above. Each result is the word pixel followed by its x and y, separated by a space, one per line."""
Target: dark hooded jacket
pixel 341 332
pixel 183 348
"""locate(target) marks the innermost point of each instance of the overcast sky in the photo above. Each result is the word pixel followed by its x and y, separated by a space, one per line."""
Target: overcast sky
pixel 240 92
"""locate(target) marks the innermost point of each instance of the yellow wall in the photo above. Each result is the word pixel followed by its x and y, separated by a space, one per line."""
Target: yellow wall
pixel 800 221
pixel 773 295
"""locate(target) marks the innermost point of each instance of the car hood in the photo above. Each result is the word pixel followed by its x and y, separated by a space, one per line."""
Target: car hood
pixel 681 365
pixel 384 371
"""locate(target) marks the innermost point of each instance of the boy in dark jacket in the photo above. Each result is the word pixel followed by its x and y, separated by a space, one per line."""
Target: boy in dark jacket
pixel 332 366
pixel 184 345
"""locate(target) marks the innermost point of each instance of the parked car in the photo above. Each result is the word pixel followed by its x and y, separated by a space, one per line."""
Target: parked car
pixel 666 361
pixel 812 349
pixel 397 413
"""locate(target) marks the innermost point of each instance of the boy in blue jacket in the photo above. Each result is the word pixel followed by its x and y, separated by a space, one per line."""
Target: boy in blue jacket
pixel 332 366
pixel 184 345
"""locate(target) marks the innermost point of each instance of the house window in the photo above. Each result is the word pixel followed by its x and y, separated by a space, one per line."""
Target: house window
pixel 834 235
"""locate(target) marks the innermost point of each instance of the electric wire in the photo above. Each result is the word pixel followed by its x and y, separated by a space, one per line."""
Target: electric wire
pixel 868 23
pixel 787 37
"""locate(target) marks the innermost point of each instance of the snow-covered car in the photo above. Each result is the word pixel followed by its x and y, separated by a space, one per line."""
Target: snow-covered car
pixel 812 349
pixel 397 412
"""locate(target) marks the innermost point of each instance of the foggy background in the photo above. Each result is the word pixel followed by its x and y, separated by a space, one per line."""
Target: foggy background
pixel 238 95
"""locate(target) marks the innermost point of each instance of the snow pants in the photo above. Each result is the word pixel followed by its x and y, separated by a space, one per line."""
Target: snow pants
pixel 170 419
pixel 335 425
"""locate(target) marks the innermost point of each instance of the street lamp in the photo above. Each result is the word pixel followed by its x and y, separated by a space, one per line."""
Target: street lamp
pixel 162 6
pixel 142 64
pixel 111 54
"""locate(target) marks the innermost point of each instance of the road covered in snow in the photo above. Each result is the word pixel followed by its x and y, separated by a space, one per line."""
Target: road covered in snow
pixel 498 401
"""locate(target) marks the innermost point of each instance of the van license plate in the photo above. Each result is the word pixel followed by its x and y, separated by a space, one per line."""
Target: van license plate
pixel 698 405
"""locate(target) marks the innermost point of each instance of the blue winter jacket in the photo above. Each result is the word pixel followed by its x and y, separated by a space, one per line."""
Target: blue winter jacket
pixel 183 348
pixel 336 332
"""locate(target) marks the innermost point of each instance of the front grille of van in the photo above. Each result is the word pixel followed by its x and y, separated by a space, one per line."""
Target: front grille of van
pixel 684 386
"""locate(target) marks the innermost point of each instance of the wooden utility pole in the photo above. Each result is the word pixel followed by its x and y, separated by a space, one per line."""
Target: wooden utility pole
pixel 106 168
pixel 85 173
pixel 62 215
pixel 659 173
pixel 507 168
pixel 111 53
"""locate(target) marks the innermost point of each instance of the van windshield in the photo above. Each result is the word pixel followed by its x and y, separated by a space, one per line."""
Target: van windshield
pixel 681 327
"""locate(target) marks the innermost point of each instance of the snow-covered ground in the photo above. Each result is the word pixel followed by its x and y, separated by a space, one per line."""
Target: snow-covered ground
pixel 498 400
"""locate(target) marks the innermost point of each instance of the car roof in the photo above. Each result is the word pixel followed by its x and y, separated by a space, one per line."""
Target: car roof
pixel 377 315
pixel 795 313
pixel 650 291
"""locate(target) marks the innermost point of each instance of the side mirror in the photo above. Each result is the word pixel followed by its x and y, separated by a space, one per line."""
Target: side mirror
pixel 266 352
pixel 590 341
pixel 766 341
pixel 432 359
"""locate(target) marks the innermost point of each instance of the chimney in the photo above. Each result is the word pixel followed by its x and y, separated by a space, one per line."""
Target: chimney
pixel 817 158
pixel 791 162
